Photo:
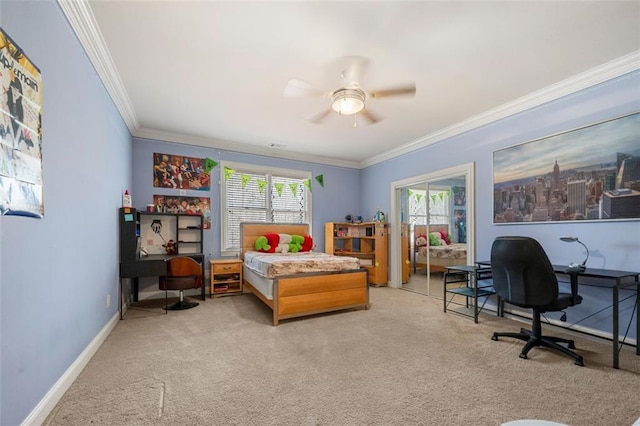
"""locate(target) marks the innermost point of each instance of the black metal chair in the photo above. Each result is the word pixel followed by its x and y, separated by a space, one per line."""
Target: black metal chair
pixel 523 276
pixel 183 273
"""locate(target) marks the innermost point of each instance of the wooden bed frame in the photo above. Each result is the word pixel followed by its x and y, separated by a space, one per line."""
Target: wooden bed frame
pixel 309 293
pixel 437 264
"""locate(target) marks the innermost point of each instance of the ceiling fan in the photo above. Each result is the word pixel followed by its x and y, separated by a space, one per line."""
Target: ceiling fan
pixel 350 98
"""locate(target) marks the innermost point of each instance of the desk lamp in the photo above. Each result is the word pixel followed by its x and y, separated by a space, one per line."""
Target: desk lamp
pixel 573 266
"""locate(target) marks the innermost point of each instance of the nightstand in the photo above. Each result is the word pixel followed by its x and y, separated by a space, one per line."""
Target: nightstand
pixel 226 277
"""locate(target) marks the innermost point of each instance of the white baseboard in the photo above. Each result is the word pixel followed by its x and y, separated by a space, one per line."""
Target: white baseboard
pixel 48 403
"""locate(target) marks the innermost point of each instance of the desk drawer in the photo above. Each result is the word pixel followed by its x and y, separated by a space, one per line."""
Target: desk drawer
pixel 227 268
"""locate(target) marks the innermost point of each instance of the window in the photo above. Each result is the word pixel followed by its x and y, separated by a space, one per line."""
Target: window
pixel 253 193
pixel 439 210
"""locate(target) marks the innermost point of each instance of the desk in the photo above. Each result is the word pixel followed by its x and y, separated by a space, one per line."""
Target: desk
pixel 154 265
pixel 615 280
pixel 609 278
pixel 470 275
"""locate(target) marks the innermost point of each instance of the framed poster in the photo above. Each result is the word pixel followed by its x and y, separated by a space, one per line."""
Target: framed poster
pixel 180 172
pixel 20 132
pixel 590 173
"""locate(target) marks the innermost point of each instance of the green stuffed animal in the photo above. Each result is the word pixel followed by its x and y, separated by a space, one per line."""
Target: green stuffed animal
pixel 297 241
pixel 262 244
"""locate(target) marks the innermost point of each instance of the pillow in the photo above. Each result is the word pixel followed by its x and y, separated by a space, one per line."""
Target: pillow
pixel 445 237
pixel 307 245
pixel 267 243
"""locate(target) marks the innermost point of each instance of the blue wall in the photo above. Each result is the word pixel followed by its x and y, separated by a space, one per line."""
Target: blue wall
pixel 613 244
pixel 56 273
pixel 339 196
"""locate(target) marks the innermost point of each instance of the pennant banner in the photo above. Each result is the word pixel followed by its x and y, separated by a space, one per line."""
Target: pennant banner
pixel 209 164
pixel 228 172
pixel 320 179
pixel 279 187
pixel 307 184
pixel 294 188
pixel 245 179
pixel 262 184
pixel 419 197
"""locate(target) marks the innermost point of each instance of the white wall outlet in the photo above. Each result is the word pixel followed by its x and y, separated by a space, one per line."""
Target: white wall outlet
pixel 108 301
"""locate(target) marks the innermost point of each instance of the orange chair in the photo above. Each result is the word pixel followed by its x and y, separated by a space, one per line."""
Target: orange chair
pixel 183 273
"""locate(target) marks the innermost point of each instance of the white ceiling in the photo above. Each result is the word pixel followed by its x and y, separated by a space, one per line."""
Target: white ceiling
pixel 213 73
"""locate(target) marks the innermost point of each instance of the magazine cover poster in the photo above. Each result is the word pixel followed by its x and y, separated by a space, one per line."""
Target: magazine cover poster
pixel 20 131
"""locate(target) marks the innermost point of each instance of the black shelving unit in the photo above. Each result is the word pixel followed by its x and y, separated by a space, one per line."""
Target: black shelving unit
pixel 464 281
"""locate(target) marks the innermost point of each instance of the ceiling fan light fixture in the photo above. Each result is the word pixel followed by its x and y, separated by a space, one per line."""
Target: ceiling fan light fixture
pixel 348 101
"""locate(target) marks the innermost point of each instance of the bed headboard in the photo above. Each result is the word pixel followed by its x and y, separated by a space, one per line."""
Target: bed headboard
pixel 250 231
pixel 422 229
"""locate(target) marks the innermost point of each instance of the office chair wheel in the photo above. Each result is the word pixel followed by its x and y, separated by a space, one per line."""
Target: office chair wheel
pixel 571 345
pixel 495 336
pixel 523 356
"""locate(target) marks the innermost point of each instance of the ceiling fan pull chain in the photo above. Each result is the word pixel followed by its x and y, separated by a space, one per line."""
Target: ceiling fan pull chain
pixel 355 120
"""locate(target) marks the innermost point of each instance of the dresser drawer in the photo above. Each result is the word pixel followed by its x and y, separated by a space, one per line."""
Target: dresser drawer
pixel 226 268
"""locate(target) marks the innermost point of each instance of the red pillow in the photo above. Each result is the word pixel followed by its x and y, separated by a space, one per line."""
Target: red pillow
pixel 307 245
pixel 445 237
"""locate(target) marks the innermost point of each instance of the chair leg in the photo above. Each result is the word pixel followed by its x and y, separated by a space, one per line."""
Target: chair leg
pixel 181 304
pixel 535 338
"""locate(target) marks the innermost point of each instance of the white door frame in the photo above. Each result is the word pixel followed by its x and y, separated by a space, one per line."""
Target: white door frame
pixel 468 171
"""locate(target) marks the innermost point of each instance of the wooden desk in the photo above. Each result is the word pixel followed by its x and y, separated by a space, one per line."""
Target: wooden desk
pixel 614 280
pixel 154 265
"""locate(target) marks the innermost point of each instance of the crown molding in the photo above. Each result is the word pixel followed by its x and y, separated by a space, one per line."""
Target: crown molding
pixel 241 147
pixel 83 23
pixel 589 78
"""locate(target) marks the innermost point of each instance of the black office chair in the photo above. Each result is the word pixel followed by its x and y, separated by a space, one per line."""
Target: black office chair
pixel 523 276
pixel 182 273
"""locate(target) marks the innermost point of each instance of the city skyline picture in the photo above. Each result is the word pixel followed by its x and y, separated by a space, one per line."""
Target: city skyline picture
pixel 589 173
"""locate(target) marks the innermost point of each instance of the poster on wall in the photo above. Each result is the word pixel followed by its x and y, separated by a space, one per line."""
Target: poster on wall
pixel 180 172
pixel 185 205
pixel 591 173
pixel 20 132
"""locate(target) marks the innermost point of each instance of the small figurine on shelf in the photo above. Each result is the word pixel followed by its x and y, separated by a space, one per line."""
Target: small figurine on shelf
pixel 379 216
pixel 352 218
pixel 170 247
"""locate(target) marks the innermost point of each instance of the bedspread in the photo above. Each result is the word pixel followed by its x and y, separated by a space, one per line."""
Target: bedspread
pixel 451 251
pixel 271 265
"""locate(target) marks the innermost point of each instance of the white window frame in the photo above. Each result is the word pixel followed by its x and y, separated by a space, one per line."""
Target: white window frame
pixel 257 169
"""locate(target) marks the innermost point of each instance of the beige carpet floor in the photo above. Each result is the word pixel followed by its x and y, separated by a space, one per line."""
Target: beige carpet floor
pixel 403 362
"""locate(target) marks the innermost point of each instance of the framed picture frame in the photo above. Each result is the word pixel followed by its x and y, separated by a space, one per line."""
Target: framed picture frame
pixel 589 173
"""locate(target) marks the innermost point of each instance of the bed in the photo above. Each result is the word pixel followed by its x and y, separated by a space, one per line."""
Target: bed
pixel 440 256
pixel 303 293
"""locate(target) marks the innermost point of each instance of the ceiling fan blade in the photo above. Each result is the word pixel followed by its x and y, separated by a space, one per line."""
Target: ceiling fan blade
pixel 355 70
pixel 296 88
pixel 369 116
pixel 407 90
pixel 317 118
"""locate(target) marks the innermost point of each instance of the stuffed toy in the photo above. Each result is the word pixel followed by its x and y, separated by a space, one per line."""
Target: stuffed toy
pixel 296 243
pixel 421 240
pixel 170 247
pixel 267 243
pixel 283 243
pixel 445 237
pixel 433 241
pixel 307 244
